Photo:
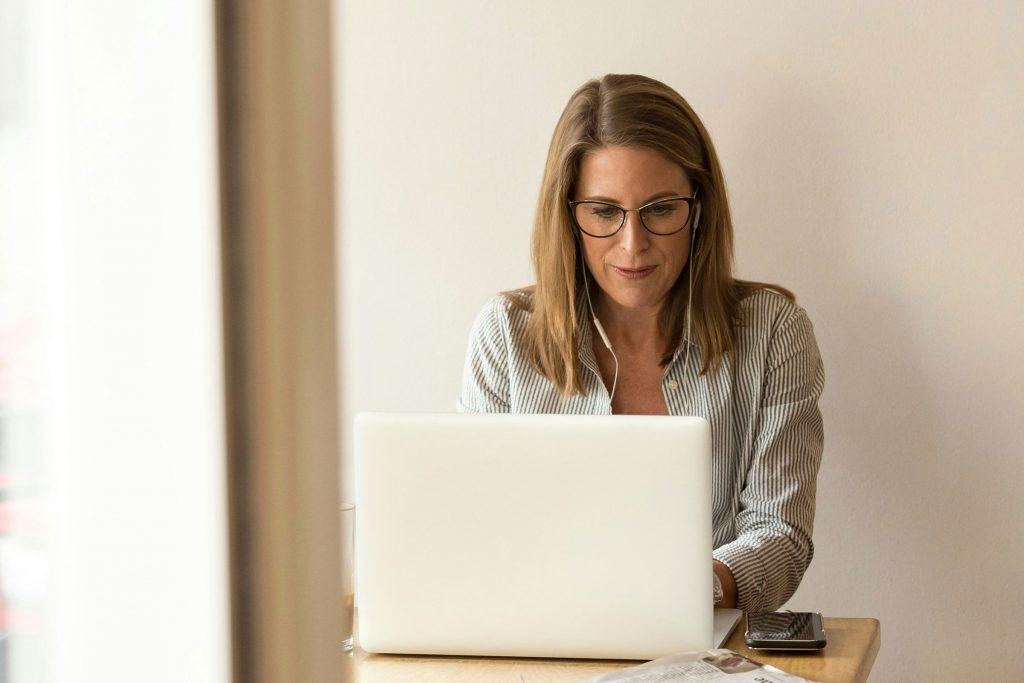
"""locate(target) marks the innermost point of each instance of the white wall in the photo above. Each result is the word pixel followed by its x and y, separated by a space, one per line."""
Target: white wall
pixel 874 153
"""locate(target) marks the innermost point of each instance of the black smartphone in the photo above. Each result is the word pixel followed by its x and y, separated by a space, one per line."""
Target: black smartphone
pixel 785 631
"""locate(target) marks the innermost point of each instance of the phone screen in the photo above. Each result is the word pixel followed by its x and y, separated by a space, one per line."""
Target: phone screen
pixel 784 626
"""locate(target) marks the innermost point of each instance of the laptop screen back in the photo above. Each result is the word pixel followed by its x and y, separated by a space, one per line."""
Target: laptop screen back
pixel 533 535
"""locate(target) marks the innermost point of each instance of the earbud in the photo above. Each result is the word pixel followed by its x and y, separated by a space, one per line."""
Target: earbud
pixel 696 214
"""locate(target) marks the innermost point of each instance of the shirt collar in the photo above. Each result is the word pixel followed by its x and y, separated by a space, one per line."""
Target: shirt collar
pixel 586 343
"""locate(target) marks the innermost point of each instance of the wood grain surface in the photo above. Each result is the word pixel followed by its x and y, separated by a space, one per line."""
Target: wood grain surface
pixel 848 658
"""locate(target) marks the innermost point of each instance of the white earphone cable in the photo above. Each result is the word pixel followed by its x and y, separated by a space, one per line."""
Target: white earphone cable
pixel 600 328
pixel 689 308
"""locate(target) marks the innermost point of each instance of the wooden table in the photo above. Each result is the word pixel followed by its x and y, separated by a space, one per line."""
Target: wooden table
pixel 852 647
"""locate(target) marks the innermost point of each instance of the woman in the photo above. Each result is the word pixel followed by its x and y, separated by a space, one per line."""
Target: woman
pixel 636 311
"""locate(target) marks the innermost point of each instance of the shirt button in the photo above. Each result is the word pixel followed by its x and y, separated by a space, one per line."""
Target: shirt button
pixel 672 384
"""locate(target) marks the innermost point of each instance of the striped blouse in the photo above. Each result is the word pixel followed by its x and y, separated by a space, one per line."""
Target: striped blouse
pixel 767 435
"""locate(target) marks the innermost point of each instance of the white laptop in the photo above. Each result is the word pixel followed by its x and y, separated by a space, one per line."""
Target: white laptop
pixel 535 535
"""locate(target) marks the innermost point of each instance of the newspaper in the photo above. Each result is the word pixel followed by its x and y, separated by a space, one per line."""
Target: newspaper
pixel 700 665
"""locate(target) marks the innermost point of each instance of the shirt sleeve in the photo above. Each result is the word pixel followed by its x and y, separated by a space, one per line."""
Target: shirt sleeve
pixel 773 547
pixel 485 378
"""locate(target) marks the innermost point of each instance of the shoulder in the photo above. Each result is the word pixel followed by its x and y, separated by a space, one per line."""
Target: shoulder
pixel 503 317
pixel 771 324
pixel 764 310
pixel 506 308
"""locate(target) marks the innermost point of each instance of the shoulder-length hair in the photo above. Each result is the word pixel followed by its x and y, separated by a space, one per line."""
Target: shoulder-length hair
pixel 629 111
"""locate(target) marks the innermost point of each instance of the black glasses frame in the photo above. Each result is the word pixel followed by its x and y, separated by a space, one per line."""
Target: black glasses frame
pixel 639 212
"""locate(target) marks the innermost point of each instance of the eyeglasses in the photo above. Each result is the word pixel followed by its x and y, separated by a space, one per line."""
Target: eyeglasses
pixel 661 217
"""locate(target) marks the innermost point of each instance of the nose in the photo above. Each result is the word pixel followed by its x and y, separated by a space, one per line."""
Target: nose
pixel 634 237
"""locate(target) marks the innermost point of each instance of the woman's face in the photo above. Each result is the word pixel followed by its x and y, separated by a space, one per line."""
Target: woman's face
pixel 634 268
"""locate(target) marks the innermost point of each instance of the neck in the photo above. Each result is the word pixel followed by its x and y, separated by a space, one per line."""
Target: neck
pixel 629 328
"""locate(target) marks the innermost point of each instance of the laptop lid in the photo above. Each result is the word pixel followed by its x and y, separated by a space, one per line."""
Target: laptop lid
pixel 533 535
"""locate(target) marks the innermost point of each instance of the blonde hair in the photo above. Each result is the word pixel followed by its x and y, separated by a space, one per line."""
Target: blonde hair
pixel 629 111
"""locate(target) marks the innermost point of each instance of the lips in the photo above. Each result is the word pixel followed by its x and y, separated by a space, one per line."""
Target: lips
pixel 634 273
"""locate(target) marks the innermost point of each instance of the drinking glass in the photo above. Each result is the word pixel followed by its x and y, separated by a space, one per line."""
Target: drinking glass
pixel 348 529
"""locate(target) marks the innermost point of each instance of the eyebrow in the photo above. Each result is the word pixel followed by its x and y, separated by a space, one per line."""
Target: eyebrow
pixel 652 198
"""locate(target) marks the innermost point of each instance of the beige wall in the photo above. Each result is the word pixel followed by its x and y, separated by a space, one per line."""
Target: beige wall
pixel 874 154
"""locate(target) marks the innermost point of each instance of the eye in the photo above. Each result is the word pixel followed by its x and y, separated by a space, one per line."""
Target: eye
pixel 602 211
pixel 660 210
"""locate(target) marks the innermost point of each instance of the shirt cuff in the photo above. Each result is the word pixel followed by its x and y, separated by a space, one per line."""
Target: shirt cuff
pixel 747 569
